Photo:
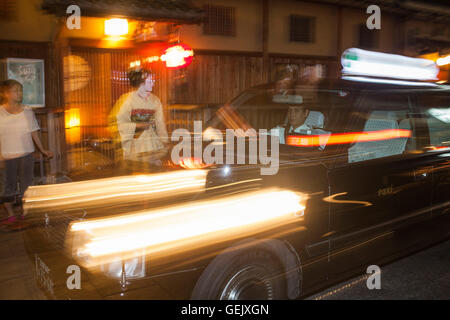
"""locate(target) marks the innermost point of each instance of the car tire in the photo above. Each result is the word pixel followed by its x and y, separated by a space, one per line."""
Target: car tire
pixel 250 274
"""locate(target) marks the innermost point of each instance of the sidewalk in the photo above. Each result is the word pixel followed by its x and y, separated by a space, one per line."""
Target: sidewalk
pixel 16 269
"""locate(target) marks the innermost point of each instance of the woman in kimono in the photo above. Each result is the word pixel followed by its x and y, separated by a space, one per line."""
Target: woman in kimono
pixel 139 120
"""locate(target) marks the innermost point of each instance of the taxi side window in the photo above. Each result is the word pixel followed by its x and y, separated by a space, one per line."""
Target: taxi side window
pixel 435 110
pixel 387 129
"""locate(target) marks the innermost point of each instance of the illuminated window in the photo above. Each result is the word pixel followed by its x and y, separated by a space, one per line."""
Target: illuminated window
pixel 220 21
pixel 302 29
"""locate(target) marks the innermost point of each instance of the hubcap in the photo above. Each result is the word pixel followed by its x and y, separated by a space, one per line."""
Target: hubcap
pixel 250 282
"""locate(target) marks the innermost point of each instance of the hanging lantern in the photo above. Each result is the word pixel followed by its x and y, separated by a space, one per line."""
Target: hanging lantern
pixel 116 27
pixel 177 56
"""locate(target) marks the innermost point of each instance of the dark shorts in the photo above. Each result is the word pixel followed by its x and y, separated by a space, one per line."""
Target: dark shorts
pixel 17 170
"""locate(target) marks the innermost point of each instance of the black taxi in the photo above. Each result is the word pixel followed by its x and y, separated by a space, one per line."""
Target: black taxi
pixel 361 177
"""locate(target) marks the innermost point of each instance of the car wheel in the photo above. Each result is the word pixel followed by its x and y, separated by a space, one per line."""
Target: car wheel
pixel 254 274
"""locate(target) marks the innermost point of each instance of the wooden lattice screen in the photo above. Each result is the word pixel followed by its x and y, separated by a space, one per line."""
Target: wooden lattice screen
pixel 302 28
pixel 8 9
pixel 220 20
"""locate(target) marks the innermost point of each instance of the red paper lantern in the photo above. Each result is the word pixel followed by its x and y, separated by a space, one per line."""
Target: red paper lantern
pixel 177 56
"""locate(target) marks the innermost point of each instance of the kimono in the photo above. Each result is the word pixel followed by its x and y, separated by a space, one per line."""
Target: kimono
pixel 147 144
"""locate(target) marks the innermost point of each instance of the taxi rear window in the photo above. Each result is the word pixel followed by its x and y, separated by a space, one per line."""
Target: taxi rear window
pixel 435 108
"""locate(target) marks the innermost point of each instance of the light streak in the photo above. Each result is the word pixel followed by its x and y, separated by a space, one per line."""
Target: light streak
pixel 332 199
pixel 117 189
pixel 388 81
pixel 185 226
pixel 347 138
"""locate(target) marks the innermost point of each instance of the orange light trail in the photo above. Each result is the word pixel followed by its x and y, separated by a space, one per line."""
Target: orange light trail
pixel 347 138
pixel 193 163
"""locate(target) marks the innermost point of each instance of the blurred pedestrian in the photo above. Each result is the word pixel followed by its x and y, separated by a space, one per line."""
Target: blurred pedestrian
pixel 139 120
pixel 286 78
pixel 18 131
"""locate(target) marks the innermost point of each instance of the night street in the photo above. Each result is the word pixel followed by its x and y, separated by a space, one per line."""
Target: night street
pixel 206 150
pixel 424 275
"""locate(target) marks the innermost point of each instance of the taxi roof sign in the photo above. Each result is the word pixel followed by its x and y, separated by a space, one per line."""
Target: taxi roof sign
pixel 360 62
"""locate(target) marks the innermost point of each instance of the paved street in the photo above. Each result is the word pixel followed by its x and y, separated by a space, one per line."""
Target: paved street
pixel 16 269
pixel 424 275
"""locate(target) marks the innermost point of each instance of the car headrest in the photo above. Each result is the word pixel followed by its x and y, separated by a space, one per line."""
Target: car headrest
pixel 315 119
pixel 374 124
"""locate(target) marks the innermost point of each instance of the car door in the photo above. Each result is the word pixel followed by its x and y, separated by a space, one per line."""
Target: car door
pixel 421 181
pixel 412 177
pixel 365 183
pixel 434 111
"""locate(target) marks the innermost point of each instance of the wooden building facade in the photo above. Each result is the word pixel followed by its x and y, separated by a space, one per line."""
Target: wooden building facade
pixel 237 45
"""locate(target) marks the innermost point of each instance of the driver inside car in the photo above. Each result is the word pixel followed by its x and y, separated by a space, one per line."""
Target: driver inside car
pixel 302 121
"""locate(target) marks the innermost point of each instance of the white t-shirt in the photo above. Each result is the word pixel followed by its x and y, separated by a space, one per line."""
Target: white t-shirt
pixel 15 132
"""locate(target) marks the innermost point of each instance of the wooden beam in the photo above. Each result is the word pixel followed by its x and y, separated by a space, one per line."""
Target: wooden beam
pixel 101 44
pixel 265 40
pixel 339 34
pixel 207 52
pixel 301 56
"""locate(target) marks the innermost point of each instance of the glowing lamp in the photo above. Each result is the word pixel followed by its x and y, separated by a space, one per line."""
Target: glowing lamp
pixel 72 125
pixel 152 59
pixel 72 118
pixel 134 64
pixel 177 56
pixel 116 27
